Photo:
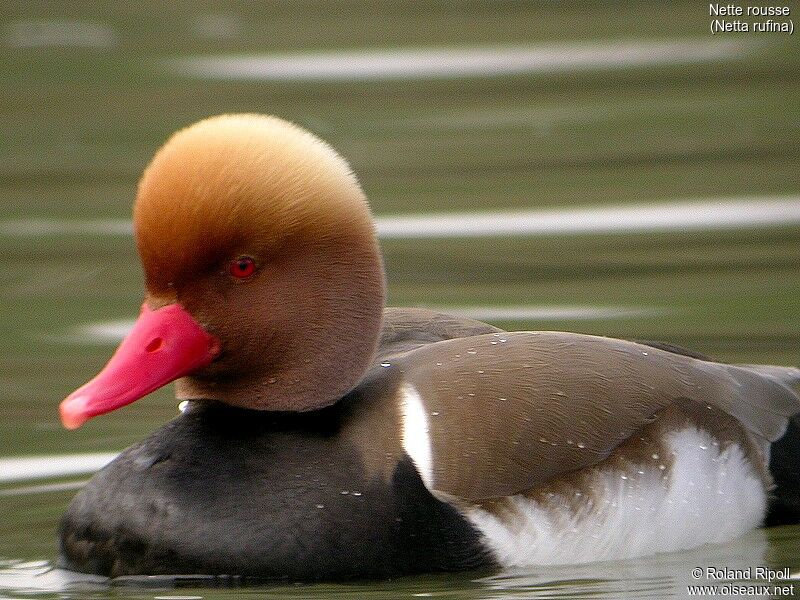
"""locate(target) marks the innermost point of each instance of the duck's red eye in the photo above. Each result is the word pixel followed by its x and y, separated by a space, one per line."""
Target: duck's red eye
pixel 243 267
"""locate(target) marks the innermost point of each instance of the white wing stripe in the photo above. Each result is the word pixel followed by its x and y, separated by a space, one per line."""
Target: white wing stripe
pixel 416 433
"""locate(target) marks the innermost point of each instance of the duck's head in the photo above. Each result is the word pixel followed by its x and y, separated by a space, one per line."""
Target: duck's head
pixel 264 281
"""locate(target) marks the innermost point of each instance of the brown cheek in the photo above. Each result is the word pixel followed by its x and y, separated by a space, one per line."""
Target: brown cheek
pixel 203 300
pixel 235 312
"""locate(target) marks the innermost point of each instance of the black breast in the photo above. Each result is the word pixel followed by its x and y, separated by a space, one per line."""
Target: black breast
pixel 221 490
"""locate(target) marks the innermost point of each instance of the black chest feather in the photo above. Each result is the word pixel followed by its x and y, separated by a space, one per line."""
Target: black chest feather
pixel 226 491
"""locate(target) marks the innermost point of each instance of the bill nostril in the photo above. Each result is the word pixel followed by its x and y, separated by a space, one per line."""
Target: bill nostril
pixel 155 345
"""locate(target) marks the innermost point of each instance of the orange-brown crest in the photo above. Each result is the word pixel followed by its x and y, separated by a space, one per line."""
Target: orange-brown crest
pixel 240 184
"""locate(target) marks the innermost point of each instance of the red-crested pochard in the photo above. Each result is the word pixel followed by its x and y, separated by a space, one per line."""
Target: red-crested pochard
pixel 328 437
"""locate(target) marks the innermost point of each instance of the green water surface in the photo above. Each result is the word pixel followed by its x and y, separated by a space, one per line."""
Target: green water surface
pixel 77 125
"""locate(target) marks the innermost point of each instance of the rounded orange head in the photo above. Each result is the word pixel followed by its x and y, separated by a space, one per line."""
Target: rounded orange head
pixel 264 281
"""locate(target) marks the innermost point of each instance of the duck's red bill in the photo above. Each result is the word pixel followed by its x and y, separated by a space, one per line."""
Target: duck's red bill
pixel 163 345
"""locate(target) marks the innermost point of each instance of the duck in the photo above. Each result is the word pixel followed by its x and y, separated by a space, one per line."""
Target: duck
pixel 326 437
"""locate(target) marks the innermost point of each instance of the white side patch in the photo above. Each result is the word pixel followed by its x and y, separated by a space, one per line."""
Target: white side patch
pixel 416 433
pixel 706 496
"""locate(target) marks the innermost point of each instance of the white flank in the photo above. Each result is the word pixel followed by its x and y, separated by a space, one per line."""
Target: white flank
pixel 442 63
pixel 416 433
pixel 25 468
pixel 687 215
pixel 707 496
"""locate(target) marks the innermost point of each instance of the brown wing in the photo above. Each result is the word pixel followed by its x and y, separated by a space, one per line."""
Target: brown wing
pixel 510 411
pixel 405 329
